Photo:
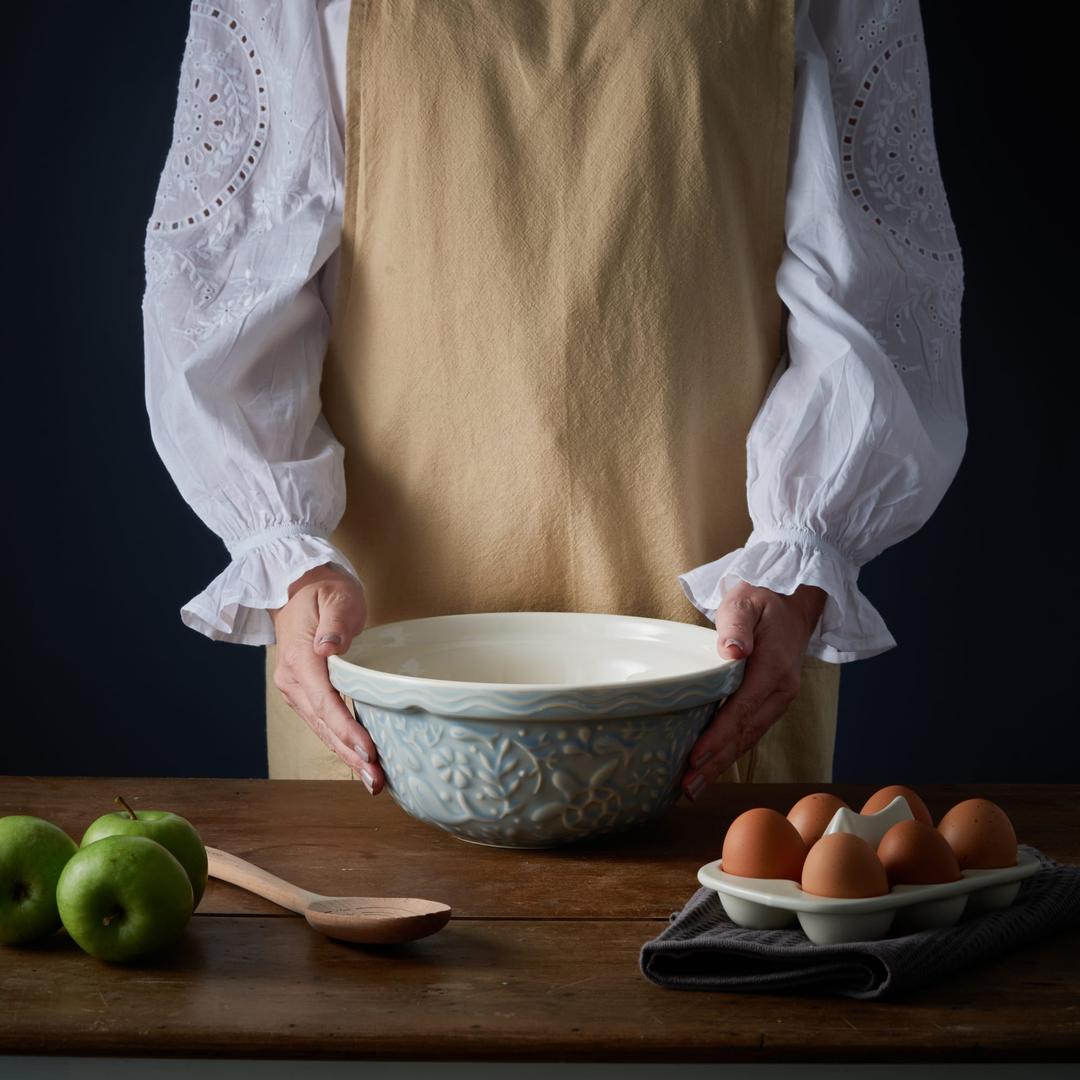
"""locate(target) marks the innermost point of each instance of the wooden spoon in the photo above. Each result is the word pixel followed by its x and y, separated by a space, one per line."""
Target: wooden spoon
pixel 372 920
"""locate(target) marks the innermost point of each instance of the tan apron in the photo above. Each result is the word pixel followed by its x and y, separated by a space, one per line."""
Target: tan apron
pixel 557 316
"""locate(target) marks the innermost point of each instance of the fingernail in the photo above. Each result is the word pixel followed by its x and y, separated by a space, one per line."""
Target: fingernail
pixel 369 781
pixel 362 752
pixel 330 639
pixel 693 789
pixel 701 759
pixel 734 642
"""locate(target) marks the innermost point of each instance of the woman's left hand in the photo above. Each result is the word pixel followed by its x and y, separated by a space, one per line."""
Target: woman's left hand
pixel 772 631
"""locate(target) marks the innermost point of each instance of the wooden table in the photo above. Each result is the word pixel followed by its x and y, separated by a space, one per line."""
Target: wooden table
pixel 540 961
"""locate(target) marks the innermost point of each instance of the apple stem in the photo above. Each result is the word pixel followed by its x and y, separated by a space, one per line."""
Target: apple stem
pixel 119 800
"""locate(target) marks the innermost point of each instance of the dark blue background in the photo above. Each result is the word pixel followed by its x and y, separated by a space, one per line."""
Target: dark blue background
pixel 103 550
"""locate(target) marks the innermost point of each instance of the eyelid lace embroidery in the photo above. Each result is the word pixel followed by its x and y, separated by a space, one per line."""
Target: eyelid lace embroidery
pixel 221 124
pixel 889 162
pixel 205 270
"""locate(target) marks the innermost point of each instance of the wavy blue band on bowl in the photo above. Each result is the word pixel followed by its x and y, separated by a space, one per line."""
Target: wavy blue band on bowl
pixel 665 696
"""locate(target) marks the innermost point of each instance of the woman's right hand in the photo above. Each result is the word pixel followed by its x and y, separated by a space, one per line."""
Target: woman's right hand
pixel 326 609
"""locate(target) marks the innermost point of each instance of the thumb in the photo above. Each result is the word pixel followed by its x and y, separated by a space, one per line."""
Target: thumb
pixel 735 620
pixel 337 621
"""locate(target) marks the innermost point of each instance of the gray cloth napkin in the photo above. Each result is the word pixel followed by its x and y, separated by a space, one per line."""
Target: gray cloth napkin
pixel 702 949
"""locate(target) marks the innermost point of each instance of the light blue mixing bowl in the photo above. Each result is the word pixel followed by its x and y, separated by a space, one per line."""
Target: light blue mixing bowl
pixel 530 729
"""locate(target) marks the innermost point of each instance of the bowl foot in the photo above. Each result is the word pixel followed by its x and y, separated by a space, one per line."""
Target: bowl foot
pixel 508 847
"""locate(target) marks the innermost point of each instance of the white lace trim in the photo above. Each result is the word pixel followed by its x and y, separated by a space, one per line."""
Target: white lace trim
pixel 236 605
pixel 850 627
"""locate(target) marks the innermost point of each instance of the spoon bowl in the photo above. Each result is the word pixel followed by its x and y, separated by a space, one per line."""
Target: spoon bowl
pixel 376 920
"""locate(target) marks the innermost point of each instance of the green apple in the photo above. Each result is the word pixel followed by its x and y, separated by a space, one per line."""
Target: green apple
pixel 169 830
pixel 32 854
pixel 124 897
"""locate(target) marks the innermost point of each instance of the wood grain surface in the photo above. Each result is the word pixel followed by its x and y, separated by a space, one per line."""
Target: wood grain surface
pixel 540 961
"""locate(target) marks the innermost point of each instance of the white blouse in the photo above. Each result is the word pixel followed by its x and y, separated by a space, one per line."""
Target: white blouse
pixel 860 434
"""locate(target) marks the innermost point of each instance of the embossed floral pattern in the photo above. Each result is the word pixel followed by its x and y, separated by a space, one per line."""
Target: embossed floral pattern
pixel 532 784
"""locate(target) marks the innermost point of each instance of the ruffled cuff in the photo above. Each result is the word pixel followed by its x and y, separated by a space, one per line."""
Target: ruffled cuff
pixel 783 559
pixel 235 605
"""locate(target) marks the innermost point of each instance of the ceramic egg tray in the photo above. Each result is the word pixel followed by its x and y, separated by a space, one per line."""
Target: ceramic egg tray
pixel 775 903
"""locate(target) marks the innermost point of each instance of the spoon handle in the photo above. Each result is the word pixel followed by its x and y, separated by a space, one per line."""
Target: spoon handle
pixel 248 876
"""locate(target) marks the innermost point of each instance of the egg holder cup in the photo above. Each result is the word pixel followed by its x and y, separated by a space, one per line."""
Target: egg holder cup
pixel 777 903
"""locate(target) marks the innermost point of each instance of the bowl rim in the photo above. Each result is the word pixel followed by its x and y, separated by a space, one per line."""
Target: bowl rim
pixel 347 667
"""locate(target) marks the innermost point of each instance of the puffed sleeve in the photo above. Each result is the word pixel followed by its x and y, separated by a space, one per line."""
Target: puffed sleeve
pixel 247 213
pixel 862 432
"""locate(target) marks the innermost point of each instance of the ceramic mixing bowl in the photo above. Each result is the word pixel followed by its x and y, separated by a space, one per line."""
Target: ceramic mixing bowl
pixel 530 729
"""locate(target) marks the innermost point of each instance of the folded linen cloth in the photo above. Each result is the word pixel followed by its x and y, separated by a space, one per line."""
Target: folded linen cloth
pixel 702 949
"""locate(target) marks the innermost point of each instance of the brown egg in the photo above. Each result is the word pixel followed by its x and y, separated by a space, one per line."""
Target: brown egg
pixel 762 843
pixel 981 835
pixel 914 853
pixel 844 865
pixel 880 799
pixel 812 813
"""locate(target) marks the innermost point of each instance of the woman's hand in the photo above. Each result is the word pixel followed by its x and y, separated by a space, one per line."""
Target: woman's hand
pixel 326 609
pixel 771 630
